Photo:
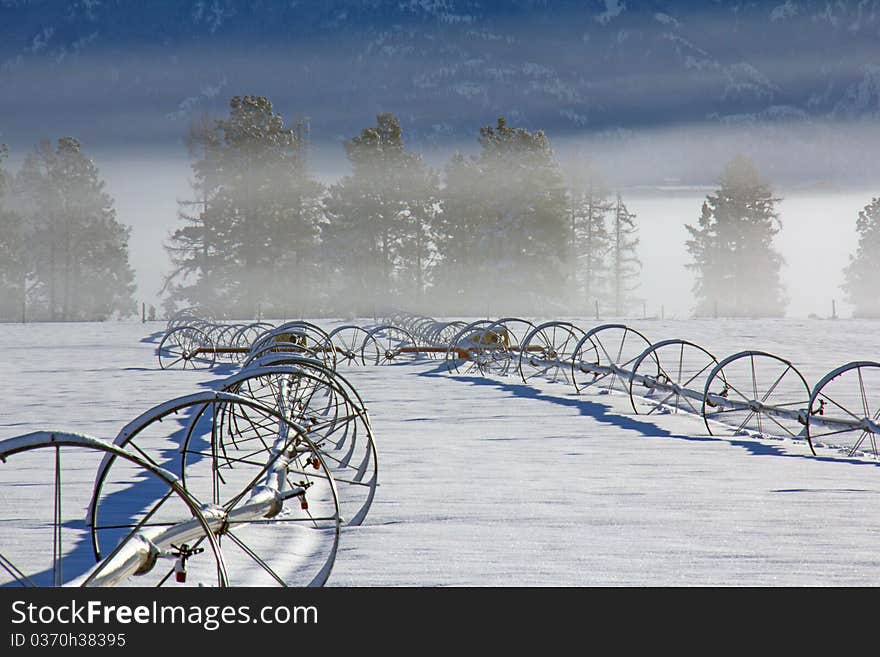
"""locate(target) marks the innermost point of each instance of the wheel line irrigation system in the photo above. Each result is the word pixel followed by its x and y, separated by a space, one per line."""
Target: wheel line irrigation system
pixel 272 466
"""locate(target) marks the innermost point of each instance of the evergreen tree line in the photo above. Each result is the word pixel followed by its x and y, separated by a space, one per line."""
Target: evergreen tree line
pixel 498 232
pixel 63 254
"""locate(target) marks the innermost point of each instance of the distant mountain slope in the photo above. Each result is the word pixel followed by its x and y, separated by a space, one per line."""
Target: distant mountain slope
pixel 101 67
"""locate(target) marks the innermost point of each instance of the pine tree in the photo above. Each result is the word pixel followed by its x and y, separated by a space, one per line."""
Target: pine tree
pixel 509 209
pixel 862 275
pixel 196 249
pixel 589 238
pixel 37 200
pixel 255 227
pixel 625 266
pixel 13 264
pixel 738 270
pixel 379 219
pixel 79 250
pixel 461 232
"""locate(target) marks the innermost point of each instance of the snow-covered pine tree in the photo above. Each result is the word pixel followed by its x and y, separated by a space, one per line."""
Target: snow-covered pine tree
pixel 862 274
pixel 737 267
pixel 78 249
pixel 624 265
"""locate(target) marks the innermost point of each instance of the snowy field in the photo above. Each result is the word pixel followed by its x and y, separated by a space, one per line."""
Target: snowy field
pixel 490 482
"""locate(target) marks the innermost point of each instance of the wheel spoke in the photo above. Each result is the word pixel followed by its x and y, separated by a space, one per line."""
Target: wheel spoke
pixel 57 547
pixel 10 567
pixel 253 555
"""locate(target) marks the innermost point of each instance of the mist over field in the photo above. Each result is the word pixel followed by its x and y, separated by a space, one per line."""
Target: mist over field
pixel 817 236
pixel 655 97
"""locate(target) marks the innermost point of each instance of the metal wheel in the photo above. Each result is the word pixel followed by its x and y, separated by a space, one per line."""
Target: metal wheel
pixel 845 410
pixel 754 392
pixel 347 342
pixel 447 332
pixel 502 341
pixel 318 340
pixel 463 349
pixel 547 352
pixel 604 356
pixel 225 338
pixel 264 349
pixel 186 346
pixel 308 337
pixel 52 471
pixel 422 328
pixel 213 331
pixel 389 344
pixel 248 334
pixel 186 316
pixel 431 334
pixel 325 402
pixel 265 480
pixel 670 376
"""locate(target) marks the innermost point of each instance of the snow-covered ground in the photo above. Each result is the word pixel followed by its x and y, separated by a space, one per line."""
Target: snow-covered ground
pixel 492 482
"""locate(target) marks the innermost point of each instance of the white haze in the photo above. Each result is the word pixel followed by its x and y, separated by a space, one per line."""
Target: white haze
pixel 817 236
pixel 826 171
pixel 818 212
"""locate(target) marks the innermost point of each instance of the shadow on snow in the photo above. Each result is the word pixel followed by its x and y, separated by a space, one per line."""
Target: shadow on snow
pixel 126 504
pixel 603 413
